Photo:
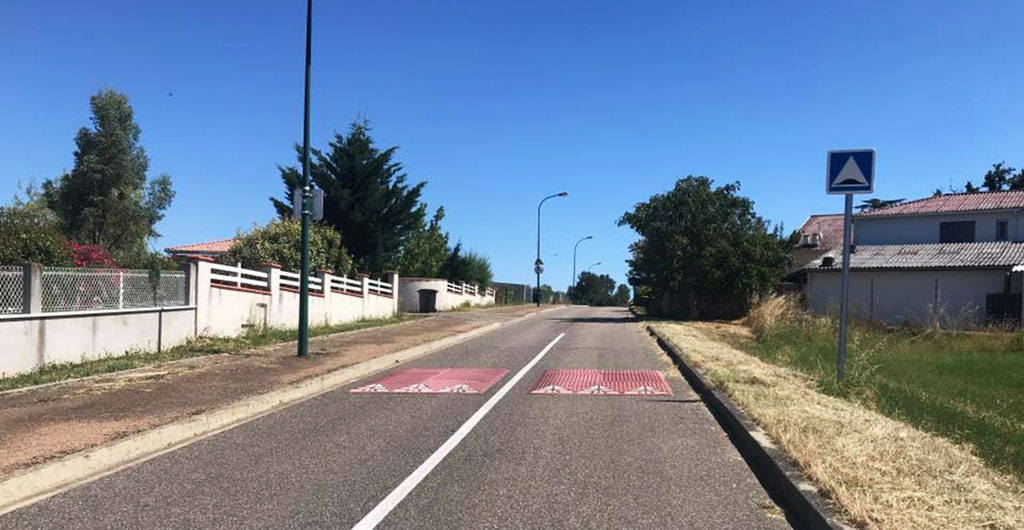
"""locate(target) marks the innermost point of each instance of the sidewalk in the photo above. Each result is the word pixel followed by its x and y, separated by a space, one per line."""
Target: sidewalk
pixel 40 424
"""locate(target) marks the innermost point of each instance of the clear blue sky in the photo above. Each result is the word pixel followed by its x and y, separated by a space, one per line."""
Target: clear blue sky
pixel 496 104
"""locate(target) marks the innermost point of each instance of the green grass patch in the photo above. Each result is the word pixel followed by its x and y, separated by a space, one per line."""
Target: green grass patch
pixel 197 347
pixel 966 386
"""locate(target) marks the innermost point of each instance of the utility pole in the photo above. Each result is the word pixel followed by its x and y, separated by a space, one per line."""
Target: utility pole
pixel 304 267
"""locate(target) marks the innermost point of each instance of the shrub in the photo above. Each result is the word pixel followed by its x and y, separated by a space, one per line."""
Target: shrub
pixel 280 242
pixel 30 232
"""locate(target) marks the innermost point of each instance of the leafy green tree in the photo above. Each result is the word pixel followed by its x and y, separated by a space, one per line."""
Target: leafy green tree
pixel 622 295
pixel 366 197
pixel 468 267
pixel 280 242
pixel 426 250
pixel 106 198
pixel 707 242
pixel 30 232
pixel 592 289
pixel 971 188
pixel 998 177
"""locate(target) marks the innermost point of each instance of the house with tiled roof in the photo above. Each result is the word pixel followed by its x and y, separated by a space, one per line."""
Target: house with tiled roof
pixel 210 249
pixel 952 259
pixel 819 234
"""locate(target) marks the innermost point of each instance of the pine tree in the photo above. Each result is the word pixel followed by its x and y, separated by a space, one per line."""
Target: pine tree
pixel 366 197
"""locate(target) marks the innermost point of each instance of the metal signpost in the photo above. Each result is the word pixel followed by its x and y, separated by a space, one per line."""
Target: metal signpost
pixel 849 172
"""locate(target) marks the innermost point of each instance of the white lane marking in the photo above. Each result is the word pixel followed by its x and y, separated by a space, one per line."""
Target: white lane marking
pixel 379 512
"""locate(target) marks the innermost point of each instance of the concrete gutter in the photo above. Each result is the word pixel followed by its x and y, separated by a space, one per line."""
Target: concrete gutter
pixel 804 506
pixel 37 483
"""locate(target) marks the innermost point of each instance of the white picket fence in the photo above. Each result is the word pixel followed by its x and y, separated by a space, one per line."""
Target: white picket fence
pixel 341 284
pixel 236 276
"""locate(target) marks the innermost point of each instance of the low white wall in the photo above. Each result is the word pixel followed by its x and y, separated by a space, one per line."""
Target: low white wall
pixel 895 297
pixel 32 341
pixel 409 297
pixel 226 310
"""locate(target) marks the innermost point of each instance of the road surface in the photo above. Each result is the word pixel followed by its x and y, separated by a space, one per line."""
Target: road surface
pixel 502 459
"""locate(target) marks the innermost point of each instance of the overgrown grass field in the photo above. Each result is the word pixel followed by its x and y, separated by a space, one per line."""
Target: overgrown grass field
pixel 966 386
pixel 198 347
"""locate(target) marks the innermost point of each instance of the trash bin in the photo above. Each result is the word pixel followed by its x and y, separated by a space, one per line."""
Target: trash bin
pixel 428 300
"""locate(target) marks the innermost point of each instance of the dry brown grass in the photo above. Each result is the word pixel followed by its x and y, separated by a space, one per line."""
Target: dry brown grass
pixel 883 473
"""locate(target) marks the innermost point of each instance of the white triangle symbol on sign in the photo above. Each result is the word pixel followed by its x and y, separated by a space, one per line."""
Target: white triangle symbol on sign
pixel 850 174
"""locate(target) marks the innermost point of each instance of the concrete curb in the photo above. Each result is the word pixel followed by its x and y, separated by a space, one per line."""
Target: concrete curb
pixel 781 478
pixel 48 479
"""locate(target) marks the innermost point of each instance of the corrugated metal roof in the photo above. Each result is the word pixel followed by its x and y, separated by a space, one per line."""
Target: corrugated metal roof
pixel 208 248
pixel 958 202
pixel 995 254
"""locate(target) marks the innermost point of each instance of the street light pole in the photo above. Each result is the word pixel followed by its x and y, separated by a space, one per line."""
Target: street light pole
pixel 593 265
pixel 574 258
pixel 538 266
pixel 304 265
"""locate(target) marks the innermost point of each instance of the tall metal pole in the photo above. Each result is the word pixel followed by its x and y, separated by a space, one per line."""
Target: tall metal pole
pixel 574 257
pixel 537 264
pixel 304 267
pixel 844 300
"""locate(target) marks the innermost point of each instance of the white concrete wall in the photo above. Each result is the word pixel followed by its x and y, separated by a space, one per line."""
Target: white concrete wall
pixel 226 310
pixel 913 229
pixel 409 298
pixel 32 341
pixel 895 297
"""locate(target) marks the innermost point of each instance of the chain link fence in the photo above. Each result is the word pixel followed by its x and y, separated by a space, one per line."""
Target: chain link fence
pixel 79 289
pixel 11 290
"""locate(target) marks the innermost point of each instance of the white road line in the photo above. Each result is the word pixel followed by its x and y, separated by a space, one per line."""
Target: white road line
pixel 379 512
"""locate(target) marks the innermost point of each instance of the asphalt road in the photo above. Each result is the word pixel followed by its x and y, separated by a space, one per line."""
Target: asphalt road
pixel 529 461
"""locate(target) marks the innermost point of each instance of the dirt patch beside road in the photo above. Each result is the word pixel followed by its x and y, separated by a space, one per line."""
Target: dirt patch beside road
pixel 40 424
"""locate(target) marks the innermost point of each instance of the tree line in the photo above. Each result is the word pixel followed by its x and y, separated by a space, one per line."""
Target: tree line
pixel 104 211
pixel 598 290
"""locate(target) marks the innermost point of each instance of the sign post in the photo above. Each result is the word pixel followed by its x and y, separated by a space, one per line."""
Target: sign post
pixel 848 172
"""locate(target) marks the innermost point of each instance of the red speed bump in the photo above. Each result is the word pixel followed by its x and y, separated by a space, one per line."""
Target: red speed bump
pixel 602 383
pixel 434 381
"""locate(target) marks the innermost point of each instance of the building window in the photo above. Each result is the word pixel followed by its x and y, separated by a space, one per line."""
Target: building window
pixel 1002 230
pixel 956 232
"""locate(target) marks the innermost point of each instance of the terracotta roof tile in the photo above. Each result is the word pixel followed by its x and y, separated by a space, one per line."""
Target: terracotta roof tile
pixel 829 226
pixel 958 202
pixel 995 254
pixel 210 247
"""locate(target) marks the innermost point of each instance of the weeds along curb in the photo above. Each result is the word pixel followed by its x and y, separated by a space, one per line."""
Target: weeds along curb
pixel 781 479
pixel 48 479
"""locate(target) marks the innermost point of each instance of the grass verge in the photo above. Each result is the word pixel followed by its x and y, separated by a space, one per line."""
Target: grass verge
pixel 966 386
pixel 881 472
pixel 197 347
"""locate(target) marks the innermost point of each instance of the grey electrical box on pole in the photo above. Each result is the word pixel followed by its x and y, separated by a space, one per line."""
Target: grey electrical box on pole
pixel 316 206
pixel 848 172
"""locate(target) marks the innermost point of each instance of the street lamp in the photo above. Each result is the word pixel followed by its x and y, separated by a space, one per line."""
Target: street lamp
pixel 593 265
pixel 538 266
pixel 574 258
pixel 304 260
